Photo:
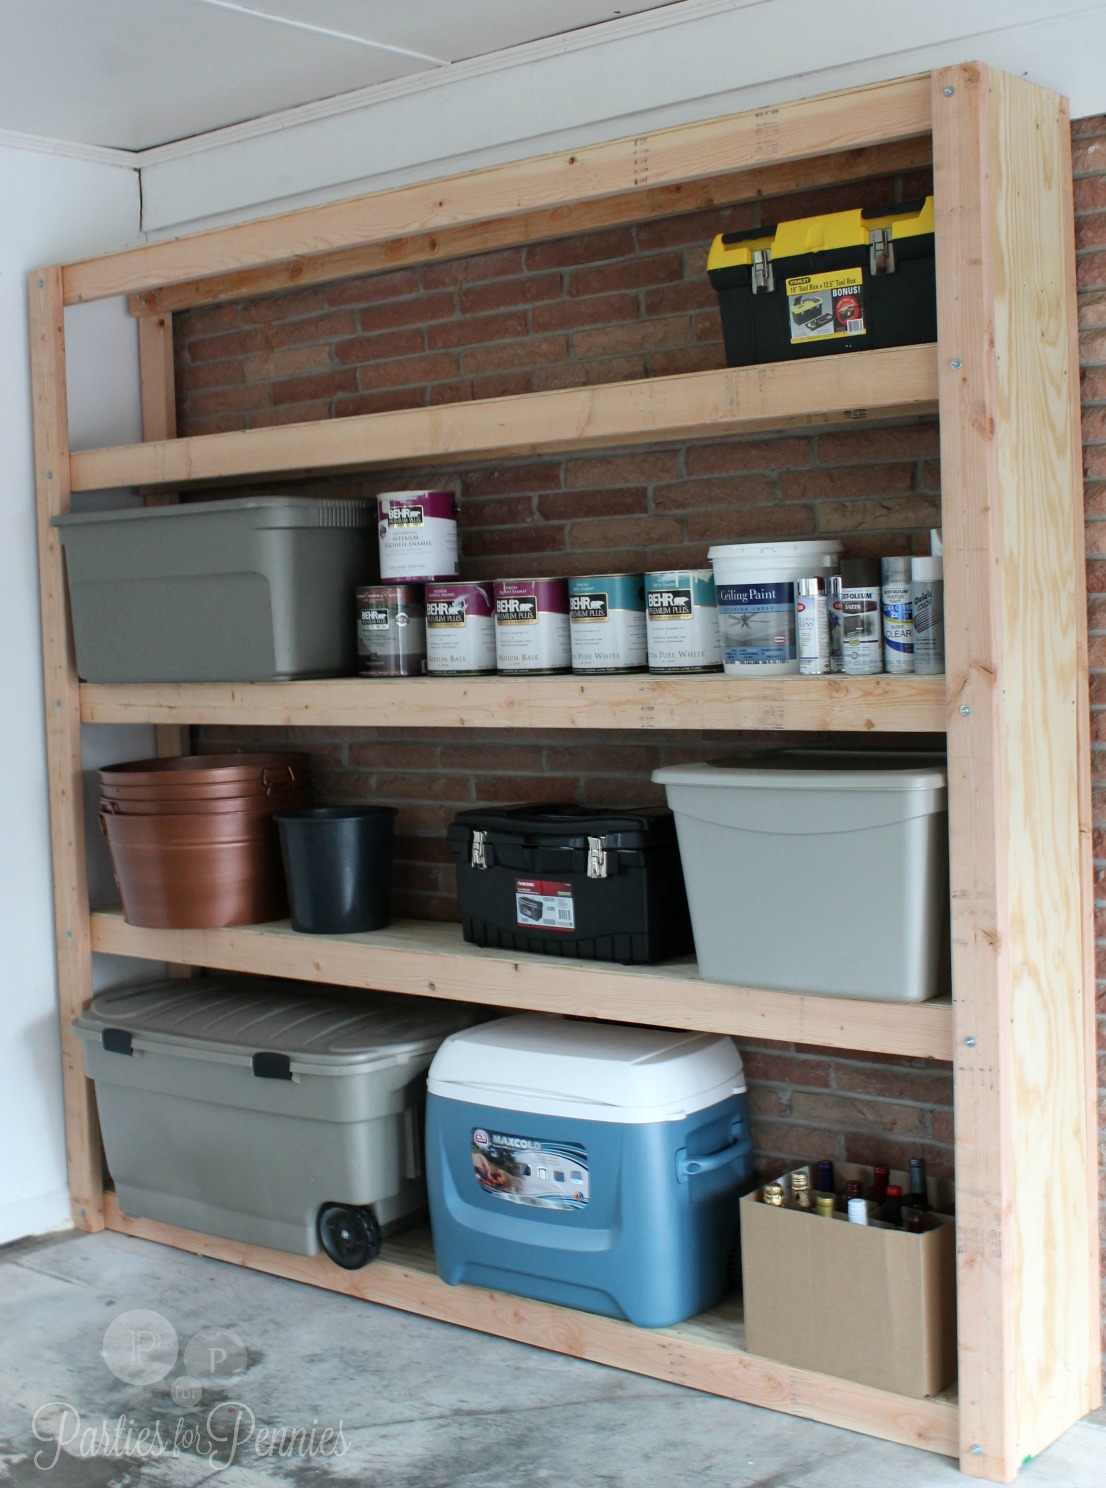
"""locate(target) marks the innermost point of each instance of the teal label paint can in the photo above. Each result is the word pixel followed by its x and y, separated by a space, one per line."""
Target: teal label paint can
pixel 607 619
pixel 681 618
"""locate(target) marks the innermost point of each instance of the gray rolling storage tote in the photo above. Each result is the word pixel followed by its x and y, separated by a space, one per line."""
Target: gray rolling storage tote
pixel 266 1111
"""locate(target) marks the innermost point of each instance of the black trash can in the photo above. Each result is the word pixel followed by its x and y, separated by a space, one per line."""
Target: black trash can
pixel 338 866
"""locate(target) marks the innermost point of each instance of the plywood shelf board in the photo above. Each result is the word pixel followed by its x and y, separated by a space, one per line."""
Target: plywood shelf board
pixel 891 384
pixel 705 1353
pixel 427 959
pixel 837 704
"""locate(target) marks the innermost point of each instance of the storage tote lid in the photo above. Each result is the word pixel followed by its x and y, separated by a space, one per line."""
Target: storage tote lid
pixel 587 1071
pixel 267 511
pixel 230 1019
pixel 817 769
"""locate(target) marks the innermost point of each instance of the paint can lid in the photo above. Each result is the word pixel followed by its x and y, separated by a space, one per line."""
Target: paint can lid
pixel 895 570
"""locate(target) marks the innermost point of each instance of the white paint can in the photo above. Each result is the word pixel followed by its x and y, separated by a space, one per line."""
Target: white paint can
pixel 460 629
pixel 607 620
pixel 532 625
pixel 418 536
pixel 682 621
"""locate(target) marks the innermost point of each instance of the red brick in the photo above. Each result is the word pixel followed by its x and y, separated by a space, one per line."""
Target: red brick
pixel 1092 348
pixel 219 348
pixel 564 505
pixel 205 321
pixel 324 385
pixel 879 516
pixel 498 480
pixel 227 400
pixel 270 365
pixel 750 523
pixel 786 1069
pixel 418 785
pixel 433 367
pixel 587 374
pixel 634 273
pixel 1090 270
pixel 929 478
pixel 644 335
pixel 506 541
pixel 1090 232
pixel 1093 384
pixel 1088 124
pixel 676 298
pixel 733 491
pixel 893 1082
pixel 857 445
pixel 504 294
pixel 866 480
pixel 878 1147
pixel 497 511
pixel 614 532
pixel 373 289
pixel 635 760
pixel 499 385
pixel 388 401
pixel 617 242
pixel 749 454
pixel 497 759
pixel 501 264
pixel 791 1140
pixel 296 413
pixel 1094 462
pixel 393 314
pixel 689 359
pixel 534 351
pixel 494 789
pixel 285 307
pixel 474 330
pixel 218 423
pixel 568 315
pixel 407 341
pixel 641 468
pixel 209 375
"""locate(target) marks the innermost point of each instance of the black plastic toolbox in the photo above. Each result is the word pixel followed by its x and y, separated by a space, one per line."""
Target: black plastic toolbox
pixel 845 281
pixel 572 881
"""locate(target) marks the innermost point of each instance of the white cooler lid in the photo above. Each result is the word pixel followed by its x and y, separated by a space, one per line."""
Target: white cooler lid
pixel 588 1071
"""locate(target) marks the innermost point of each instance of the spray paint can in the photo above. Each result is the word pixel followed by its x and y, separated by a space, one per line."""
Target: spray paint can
pixel 833 607
pixel 681 621
pixel 607 616
pixel 928 593
pixel 812 642
pixel 391 631
pixel 898 615
pixel 861 622
pixel 418 536
pixel 460 629
pixel 532 626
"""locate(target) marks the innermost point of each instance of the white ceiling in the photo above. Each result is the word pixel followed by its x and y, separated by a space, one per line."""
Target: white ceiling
pixel 132 74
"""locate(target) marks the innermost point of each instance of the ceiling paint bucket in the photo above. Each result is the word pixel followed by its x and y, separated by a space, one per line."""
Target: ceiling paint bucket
pixel 532 625
pixel 607 622
pixel 682 621
pixel 391 631
pixel 755 585
pixel 460 629
pixel 418 536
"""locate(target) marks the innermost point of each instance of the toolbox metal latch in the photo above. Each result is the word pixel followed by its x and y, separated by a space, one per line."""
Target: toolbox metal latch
pixel 597 857
pixel 764 280
pixel 882 251
pixel 478 858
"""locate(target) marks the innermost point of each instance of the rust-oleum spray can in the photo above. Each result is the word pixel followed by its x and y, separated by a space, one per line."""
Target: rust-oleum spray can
pixel 898 615
pixel 861 623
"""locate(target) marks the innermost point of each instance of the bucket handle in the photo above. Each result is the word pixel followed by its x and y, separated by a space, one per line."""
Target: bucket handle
pixel 690 1167
pixel 278 778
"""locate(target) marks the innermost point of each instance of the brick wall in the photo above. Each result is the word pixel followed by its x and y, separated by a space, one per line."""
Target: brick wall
pixel 624 303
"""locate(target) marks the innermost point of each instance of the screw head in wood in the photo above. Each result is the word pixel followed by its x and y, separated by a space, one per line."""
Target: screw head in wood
pixel 977 1450
pixel 965 711
pixel 948 94
pixel 956 364
pixel 970 1042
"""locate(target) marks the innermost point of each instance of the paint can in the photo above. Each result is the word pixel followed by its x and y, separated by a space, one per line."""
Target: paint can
pixel 418 536
pixel 460 629
pixel 897 599
pixel 391 631
pixel 607 622
pixel 682 621
pixel 532 625
pixel 812 637
pixel 755 585
pixel 861 627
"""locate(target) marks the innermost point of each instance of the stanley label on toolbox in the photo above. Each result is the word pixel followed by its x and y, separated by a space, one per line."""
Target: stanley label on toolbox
pixel 512 611
pixel 822 306
pixel 587 606
pixel 669 604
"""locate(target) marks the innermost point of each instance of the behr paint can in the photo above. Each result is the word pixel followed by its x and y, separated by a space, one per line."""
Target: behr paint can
pixel 682 621
pixel 391 631
pixel 607 622
pixel 460 629
pixel 418 536
pixel 532 626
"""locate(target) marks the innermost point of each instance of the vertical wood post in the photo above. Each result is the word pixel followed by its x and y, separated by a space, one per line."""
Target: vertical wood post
pixel 1017 741
pixel 63 744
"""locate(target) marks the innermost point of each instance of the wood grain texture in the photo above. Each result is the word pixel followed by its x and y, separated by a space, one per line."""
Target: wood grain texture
pixel 1008 457
pixel 156 377
pixel 753 184
pixel 898 383
pixel 704 1353
pixel 63 744
pixel 424 959
pixel 782 132
pixel 880 704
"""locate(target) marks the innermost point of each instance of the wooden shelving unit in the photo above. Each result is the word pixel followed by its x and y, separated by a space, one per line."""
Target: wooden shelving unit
pixel 1004 375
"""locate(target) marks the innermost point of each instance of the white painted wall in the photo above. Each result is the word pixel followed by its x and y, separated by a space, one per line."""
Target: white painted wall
pixel 681 63
pixel 53 209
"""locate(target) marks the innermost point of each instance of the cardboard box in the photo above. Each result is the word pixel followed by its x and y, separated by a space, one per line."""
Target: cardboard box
pixel 877 1306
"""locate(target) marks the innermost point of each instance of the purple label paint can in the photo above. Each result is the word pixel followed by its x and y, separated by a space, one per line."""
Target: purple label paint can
pixel 532 625
pixel 418 536
pixel 460 629
pixel 391 631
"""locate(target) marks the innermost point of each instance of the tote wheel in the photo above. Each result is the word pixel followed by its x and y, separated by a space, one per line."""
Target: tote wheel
pixel 350 1236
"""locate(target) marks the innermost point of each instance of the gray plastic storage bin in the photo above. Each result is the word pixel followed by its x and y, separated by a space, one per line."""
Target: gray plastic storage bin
pixel 244 1107
pixel 218 591
pixel 818 872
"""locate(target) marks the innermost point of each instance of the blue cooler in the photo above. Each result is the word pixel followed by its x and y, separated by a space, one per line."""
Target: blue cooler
pixel 597 1165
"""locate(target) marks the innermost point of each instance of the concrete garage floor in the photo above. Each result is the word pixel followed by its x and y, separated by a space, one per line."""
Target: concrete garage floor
pixel 416 1402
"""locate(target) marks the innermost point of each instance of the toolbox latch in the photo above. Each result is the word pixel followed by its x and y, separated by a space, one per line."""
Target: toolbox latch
pixel 764 280
pixel 597 857
pixel 478 858
pixel 117 1040
pixel 882 251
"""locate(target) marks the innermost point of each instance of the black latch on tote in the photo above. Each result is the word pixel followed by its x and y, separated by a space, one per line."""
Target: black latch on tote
pixel 117 1040
pixel 272 1066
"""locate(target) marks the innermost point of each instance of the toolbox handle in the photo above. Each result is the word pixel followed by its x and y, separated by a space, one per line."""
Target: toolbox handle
pixel 690 1167
pixel 899 209
pixel 271 1066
